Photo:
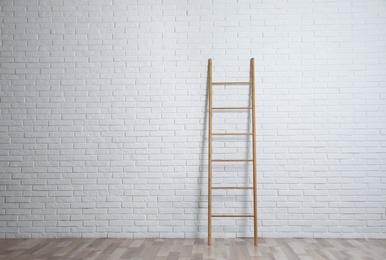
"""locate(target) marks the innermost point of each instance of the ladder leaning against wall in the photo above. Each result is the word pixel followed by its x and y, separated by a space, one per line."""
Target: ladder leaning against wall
pixel 210 160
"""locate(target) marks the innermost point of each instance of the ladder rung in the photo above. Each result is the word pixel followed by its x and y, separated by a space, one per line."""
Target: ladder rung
pixel 232 160
pixel 244 188
pixel 230 83
pixel 231 133
pixel 231 107
pixel 232 216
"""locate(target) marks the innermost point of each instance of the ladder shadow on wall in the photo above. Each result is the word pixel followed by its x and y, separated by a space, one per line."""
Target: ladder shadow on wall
pixel 249 150
pixel 202 183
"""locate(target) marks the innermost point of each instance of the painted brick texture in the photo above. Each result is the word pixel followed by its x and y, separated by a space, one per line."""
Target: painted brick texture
pixel 104 117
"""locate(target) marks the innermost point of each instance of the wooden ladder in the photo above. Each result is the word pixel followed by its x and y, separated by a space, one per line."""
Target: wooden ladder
pixel 210 160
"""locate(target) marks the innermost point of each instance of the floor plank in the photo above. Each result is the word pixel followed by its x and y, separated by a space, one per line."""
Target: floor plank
pixel 196 249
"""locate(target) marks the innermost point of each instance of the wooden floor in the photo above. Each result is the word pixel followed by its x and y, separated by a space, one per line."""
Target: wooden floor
pixel 168 249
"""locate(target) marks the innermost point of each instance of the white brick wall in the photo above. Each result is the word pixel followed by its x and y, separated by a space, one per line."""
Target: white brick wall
pixel 103 117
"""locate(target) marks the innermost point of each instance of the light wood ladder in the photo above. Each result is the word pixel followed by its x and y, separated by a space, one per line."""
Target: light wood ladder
pixel 210 160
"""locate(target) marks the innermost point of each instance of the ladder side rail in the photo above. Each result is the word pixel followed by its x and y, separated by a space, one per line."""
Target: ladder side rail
pixel 254 152
pixel 210 158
